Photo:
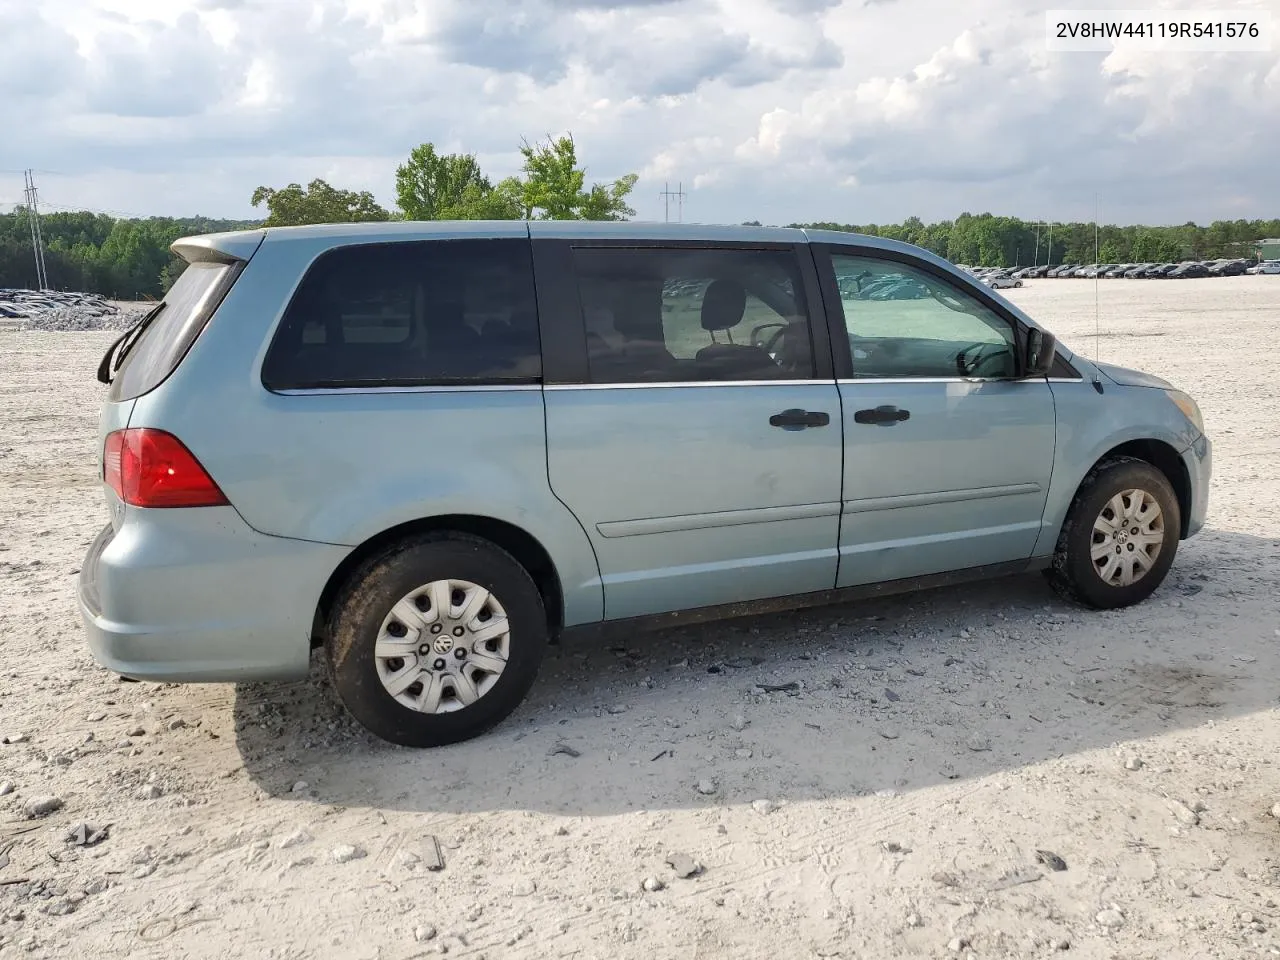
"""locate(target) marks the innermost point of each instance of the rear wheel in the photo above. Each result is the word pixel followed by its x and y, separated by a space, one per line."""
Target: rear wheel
pixel 1120 536
pixel 436 640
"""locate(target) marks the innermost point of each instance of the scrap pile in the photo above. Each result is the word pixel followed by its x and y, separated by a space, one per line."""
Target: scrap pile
pixel 56 310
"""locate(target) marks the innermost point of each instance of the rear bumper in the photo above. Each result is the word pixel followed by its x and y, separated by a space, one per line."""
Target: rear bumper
pixel 1199 461
pixel 198 596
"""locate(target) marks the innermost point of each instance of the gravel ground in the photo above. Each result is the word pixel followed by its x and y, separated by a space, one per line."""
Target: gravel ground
pixel 941 757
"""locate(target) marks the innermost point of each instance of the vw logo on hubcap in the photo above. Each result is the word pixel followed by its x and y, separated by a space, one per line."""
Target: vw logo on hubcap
pixel 443 643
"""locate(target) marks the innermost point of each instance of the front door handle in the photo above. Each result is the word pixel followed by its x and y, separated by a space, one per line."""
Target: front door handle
pixel 885 416
pixel 797 419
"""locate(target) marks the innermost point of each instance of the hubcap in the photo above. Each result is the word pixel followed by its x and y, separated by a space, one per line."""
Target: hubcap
pixel 1128 536
pixel 455 617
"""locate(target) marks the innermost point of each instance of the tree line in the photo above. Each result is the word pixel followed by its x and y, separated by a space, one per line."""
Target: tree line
pixel 989 241
pixel 129 258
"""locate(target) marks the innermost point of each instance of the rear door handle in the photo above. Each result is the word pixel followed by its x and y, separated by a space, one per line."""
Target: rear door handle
pixel 797 419
pixel 885 416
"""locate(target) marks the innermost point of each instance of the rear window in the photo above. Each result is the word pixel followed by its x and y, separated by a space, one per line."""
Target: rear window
pixel 410 314
pixel 183 314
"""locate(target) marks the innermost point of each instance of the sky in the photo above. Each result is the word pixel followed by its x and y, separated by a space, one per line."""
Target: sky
pixel 854 111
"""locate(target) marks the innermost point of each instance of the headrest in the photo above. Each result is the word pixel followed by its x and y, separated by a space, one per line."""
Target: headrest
pixel 723 305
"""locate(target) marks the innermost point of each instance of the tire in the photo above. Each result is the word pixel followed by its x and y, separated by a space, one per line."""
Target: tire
pixel 1017 283
pixel 449 663
pixel 1075 574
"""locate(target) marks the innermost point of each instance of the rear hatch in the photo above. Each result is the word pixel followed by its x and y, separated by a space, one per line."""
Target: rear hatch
pixel 146 354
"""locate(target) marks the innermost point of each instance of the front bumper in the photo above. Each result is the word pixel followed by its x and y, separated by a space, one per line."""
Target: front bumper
pixel 198 596
pixel 1199 462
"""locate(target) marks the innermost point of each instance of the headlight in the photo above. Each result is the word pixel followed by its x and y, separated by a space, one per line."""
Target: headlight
pixel 1188 407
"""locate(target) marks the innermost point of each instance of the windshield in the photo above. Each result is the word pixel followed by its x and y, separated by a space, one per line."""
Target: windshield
pixel 167 336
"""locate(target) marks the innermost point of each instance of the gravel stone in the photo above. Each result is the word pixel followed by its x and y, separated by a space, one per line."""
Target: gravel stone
pixel 299 787
pixel 653 884
pixel 294 839
pixel 136 731
pixel 8 786
pixel 41 806
pixel 706 787
pixel 1133 763
pixel 763 806
pixel 1112 919
pixel 152 791
pixel 424 933
pixel 345 853
pixel 958 944
pixel 523 888
pixel 1184 814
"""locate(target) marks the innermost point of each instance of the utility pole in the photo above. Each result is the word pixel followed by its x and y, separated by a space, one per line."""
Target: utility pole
pixel 666 195
pixel 33 220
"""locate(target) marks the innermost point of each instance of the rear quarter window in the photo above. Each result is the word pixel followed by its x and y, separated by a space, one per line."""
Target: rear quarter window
pixel 416 313
pixel 184 312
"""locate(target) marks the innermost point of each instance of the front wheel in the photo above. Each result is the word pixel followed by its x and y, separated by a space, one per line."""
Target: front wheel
pixel 436 640
pixel 1120 536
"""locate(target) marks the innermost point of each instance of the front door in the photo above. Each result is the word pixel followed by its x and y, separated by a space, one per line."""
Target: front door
pixel 701 453
pixel 948 454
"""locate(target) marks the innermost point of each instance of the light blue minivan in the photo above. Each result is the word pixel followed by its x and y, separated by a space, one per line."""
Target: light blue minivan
pixel 433 447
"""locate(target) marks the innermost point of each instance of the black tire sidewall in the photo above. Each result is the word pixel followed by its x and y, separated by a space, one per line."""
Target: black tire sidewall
pixel 378 585
pixel 1077 564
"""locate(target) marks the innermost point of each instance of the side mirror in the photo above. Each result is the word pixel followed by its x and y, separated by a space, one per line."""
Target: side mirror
pixel 1042 350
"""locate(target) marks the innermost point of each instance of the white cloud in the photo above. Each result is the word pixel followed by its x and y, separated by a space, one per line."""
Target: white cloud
pixel 778 110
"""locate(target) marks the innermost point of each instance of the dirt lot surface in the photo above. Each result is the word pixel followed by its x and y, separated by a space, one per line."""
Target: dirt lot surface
pixel 910 798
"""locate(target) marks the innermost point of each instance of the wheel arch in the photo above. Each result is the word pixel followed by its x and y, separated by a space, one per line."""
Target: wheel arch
pixel 527 550
pixel 1164 458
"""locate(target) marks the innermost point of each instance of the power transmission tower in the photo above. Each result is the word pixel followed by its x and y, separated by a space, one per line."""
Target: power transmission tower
pixel 33 219
pixel 666 195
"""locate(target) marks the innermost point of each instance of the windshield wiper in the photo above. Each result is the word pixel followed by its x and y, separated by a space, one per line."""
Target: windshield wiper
pixel 120 348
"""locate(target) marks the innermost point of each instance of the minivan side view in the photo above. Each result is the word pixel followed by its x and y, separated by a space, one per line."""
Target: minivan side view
pixel 433 448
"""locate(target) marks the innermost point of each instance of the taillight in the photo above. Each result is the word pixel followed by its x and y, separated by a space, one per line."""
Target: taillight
pixel 152 468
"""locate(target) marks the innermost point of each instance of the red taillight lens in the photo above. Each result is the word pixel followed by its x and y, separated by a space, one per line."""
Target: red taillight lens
pixel 151 468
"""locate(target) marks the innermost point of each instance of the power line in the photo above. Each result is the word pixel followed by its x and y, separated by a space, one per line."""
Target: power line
pixel 33 219
pixel 666 195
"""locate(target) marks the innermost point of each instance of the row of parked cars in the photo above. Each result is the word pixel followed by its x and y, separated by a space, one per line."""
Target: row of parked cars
pixel 998 277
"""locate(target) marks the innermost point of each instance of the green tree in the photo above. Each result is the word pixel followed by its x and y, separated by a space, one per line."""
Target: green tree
pixel 554 186
pixel 318 203
pixel 433 186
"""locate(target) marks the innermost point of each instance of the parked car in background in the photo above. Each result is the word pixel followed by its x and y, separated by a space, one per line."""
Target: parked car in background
pixel 1136 271
pixel 1186 271
pixel 1228 268
pixel 1266 267
pixel 607 398
pixel 1000 281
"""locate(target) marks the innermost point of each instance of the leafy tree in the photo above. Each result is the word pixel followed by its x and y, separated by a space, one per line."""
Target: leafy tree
pixel 554 186
pixel 433 186
pixel 318 203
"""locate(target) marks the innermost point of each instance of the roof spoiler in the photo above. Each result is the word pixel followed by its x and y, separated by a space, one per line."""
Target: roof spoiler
pixel 219 247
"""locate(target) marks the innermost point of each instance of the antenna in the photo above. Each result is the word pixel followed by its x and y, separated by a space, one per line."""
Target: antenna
pixel 1097 309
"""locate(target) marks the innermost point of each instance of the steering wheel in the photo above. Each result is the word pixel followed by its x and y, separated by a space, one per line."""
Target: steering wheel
pixel 970 368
